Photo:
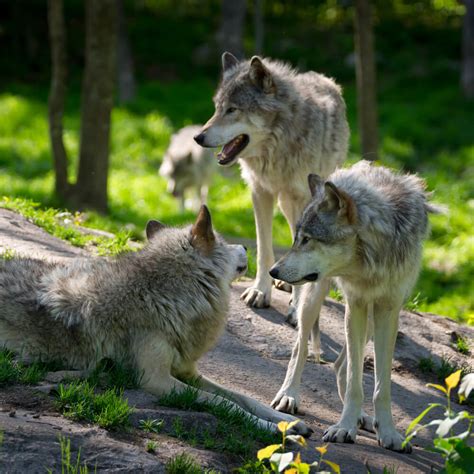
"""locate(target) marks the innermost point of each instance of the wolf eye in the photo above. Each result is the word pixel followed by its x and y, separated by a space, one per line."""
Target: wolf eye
pixel 304 240
pixel 230 110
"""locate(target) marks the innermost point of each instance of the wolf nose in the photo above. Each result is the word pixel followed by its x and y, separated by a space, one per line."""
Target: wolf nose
pixel 274 273
pixel 199 139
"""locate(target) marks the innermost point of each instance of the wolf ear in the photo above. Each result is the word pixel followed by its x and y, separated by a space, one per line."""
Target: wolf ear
pixel 341 201
pixel 152 228
pixel 202 235
pixel 228 61
pixel 260 75
pixel 315 184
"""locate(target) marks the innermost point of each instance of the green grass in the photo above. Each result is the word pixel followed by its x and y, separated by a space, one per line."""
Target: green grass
pixel 13 371
pixel 446 367
pixel 115 374
pixel 415 136
pixel 235 433
pixel 183 464
pixel 151 425
pixel 67 466
pixel 80 401
pixel 462 345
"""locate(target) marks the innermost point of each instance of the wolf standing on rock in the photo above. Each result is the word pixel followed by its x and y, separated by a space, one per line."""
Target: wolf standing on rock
pixel 281 126
pixel 160 309
pixel 365 226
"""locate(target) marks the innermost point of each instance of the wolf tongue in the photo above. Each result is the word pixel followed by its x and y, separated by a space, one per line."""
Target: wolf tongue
pixel 229 148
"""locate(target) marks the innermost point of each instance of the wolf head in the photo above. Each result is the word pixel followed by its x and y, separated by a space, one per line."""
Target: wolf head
pixel 178 174
pixel 245 105
pixel 198 245
pixel 325 240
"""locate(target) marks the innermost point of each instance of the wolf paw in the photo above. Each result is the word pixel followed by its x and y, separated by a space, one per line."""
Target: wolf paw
pixel 291 317
pixel 256 298
pixel 301 429
pixel 282 285
pixel 366 423
pixel 391 439
pixel 286 402
pixel 339 433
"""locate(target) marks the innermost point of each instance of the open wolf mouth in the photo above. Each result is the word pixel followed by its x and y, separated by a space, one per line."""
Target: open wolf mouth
pixel 230 150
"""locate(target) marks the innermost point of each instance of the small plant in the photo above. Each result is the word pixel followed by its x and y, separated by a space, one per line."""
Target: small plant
pixel 151 447
pixel 415 302
pixel 462 345
pixel 336 294
pixel 183 464
pixel 274 458
pixel 7 254
pixel 454 448
pixel 115 374
pixel 66 466
pixel 426 365
pixel 108 409
pixel 151 426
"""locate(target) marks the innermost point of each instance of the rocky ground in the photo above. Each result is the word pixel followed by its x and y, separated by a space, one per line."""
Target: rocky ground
pixel 251 357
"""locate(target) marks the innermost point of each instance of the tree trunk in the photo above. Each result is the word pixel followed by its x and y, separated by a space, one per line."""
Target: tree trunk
pixel 57 94
pixel 230 34
pixel 366 84
pixel 467 74
pixel 126 71
pixel 96 103
pixel 258 26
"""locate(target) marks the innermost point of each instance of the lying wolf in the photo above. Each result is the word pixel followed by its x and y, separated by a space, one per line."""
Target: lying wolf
pixel 160 309
pixel 281 125
pixel 365 225
pixel 188 168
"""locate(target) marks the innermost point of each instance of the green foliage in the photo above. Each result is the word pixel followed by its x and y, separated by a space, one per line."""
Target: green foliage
pixel 7 254
pixel 235 433
pixel 454 447
pixel 54 222
pixel 462 345
pixel 275 458
pixel 151 447
pixel 151 426
pixel 183 464
pixel 66 465
pixel 115 374
pixel 446 366
pixel 79 401
pixel 13 371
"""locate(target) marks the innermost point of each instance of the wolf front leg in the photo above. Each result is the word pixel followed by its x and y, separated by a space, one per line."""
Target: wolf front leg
pixel 259 294
pixel 356 328
pixel 309 307
pixel 385 335
pixel 253 406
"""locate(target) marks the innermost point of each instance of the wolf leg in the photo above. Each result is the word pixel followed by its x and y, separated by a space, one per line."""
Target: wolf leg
pixel 253 406
pixel 356 328
pixel 259 294
pixel 385 335
pixel 292 209
pixel 312 298
pixel 366 422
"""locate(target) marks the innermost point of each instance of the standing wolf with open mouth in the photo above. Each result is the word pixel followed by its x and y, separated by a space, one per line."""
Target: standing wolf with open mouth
pixel 365 226
pixel 281 126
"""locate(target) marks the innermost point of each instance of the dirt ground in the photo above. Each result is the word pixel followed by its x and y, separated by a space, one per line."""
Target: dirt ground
pixel 251 357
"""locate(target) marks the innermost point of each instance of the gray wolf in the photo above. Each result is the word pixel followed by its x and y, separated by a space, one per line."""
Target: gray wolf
pixel 188 168
pixel 280 125
pixel 159 309
pixel 365 226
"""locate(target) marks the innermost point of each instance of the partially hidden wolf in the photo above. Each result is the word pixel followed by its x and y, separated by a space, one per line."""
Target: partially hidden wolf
pixel 159 309
pixel 280 125
pixel 188 168
pixel 365 226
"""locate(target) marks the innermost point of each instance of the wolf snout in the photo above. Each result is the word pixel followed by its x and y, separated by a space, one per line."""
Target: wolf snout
pixel 199 138
pixel 274 272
